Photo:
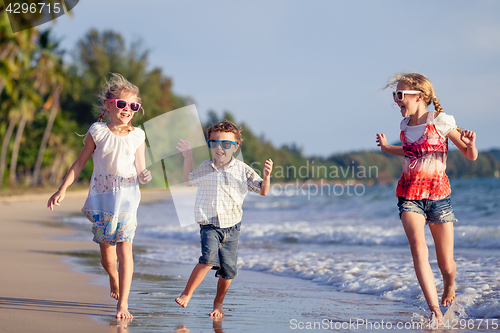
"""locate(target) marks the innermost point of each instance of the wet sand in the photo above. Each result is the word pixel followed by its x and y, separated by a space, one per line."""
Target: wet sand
pixel 256 302
pixel 40 292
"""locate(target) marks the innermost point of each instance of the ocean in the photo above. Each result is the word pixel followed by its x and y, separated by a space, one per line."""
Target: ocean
pixel 349 242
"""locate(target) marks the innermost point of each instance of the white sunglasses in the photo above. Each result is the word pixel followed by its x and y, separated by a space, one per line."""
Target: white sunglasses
pixel 400 94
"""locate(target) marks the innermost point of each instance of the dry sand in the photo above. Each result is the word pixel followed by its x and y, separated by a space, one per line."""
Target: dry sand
pixel 40 293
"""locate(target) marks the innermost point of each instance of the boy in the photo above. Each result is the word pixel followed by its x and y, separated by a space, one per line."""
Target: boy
pixel 222 186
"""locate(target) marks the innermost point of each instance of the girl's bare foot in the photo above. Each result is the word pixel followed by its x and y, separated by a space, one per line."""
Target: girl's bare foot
pixel 183 300
pixel 436 312
pixel 217 312
pixel 115 289
pixel 448 294
pixel 123 313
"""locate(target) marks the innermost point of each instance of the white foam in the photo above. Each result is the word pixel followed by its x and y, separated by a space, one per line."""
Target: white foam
pixel 329 233
pixel 390 276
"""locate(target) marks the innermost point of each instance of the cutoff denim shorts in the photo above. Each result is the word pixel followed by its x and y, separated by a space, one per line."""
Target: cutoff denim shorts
pixel 219 248
pixel 434 211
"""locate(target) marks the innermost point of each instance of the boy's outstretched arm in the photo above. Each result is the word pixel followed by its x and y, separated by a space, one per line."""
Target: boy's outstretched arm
pixel 266 181
pixel 185 148
pixel 386 148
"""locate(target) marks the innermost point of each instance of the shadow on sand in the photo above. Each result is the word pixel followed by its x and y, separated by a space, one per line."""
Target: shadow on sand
pixel 30 304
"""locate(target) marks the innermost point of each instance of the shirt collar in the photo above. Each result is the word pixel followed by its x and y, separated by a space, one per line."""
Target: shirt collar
pixel 231 163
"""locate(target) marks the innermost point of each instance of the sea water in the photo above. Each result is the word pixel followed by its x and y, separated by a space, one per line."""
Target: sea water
pixel 351 242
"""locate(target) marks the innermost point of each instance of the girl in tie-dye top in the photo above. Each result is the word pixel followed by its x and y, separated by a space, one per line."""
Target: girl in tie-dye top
pixel 117 149
pixel 423 190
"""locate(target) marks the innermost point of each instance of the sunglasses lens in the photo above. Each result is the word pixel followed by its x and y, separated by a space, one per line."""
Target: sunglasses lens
pixel 226 144
pixel 399 95
pixel 135 106
pixel 212 144
pixel 121 104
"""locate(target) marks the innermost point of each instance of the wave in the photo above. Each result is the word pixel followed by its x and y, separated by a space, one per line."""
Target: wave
pixel 387 275
pixel 312 233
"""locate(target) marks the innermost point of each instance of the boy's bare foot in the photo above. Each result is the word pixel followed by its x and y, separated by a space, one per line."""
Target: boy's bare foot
pixel 115 289
pixel 183 300
pixel 217 312
pixel 448 294
pixel 123 313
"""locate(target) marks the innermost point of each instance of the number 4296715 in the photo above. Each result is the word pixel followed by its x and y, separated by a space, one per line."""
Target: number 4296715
pixel 471 324
pixel 23 8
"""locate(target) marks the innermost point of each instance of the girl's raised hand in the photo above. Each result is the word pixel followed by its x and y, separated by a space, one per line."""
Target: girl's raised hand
pixel 185 148
pixel 381 140
pixel 55 199
pixel 468 137
pixel 145 176
pixel 268 168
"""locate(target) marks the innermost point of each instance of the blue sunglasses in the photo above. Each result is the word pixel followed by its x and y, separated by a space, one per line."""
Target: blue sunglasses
pixel 225 144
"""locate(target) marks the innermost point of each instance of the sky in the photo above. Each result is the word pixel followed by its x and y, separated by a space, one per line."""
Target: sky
pixel 312 72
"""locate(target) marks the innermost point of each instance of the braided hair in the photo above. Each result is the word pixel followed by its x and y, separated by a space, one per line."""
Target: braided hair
pixel 421 83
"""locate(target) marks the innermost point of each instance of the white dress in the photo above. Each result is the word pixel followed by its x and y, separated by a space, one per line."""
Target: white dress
pixel 114 193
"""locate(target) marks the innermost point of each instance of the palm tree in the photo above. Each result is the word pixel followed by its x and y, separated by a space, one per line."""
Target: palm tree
pixel 29 100
pixel 7 54
pixel 16 50
pixel 51 75
pixel 16 53
pixel 62 146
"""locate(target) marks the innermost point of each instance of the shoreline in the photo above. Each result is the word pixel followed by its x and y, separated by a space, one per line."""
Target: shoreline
pixel 63 293
pixel 43 292
pixel 256 302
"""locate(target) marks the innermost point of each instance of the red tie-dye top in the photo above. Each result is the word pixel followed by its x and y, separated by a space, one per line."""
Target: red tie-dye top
pixel 424 165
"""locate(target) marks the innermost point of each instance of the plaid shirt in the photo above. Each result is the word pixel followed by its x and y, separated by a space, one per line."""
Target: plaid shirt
pixel 220 194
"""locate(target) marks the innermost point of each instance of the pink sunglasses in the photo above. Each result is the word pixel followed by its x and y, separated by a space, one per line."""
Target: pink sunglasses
pixel 121 104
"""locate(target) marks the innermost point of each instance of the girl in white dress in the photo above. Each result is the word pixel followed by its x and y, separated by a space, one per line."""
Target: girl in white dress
pixel 117 149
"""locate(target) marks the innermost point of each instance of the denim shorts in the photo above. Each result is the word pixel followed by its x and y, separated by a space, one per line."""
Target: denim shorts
pixel 434 211
pixel 219 248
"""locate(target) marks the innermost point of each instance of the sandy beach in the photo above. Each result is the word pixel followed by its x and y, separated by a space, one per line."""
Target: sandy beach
pixel 40 292
pixel 43 291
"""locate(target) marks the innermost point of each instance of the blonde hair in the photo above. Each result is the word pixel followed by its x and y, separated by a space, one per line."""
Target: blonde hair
pixel 114 88
pixel 421 83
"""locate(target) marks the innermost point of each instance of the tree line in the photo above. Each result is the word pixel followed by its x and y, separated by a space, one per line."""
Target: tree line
pixel 46 100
